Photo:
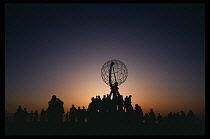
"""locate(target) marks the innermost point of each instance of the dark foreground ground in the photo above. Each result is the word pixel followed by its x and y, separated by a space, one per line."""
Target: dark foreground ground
pixel 85 129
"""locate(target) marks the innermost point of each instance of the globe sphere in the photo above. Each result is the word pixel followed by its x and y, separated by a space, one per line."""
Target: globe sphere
pixel 119 72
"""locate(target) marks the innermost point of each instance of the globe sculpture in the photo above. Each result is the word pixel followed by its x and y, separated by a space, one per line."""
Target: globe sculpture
pixel 118 71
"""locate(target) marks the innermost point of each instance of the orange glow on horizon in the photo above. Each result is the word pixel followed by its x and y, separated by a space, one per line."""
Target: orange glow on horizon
pixel 147 90
pixel 160 103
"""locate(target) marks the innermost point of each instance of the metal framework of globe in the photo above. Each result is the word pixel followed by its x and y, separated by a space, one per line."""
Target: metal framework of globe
pixel 119 72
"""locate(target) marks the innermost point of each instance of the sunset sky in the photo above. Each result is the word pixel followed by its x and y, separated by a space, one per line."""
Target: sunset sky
pixel 59 49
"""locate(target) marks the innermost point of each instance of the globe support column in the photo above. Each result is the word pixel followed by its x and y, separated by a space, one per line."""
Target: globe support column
pixel 114 88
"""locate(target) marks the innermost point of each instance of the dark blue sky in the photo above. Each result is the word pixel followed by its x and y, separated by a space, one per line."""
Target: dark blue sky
pixel 49 44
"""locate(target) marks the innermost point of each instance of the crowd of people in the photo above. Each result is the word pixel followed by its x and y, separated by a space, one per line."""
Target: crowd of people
pixel 101 111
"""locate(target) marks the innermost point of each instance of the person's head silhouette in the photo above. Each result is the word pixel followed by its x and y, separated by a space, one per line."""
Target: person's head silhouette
pixel 54 97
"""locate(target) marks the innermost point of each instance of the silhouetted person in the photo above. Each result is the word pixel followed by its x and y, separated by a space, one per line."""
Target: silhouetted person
pixel 25 114
pixel 177 115
pixel 191 115
pixel 51 111
pixel 146 118
pixel 152 117
pixel 176 118
pixel 108 102
pixel 79 115
pixel 104 104
pixel 183 118
pixel 127 104
pixel 170 118
pixel 97 103
pixel 191 118
pixel 159 118
pixel 126 101
pixel 19 115
pixel 93 106
pixel 60 110
pixel 138 114
pixel 67 117
pixel 93 111
pixel 120 103
pixel 55 110
pixel 83 114
pixel 36 116
pixel 43 116
pixel 31 115
pixel 72 114
pixel 19 110
pixel 130 105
